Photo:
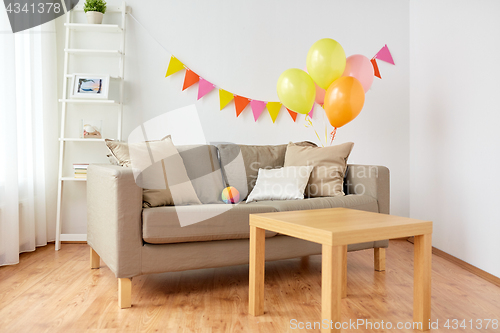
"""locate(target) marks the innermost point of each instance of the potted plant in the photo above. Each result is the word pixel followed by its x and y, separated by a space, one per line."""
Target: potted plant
pixel 94 10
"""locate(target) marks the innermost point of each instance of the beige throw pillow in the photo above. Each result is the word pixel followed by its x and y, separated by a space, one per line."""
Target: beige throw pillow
pixel 158 169
pixel 119 150
pixel 329 163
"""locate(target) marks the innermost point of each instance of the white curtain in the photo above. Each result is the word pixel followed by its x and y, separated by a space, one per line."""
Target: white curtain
pixel 28 138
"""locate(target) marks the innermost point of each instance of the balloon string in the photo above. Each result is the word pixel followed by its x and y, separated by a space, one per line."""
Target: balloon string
pixel 334 132
pixel 326 133
pixel 310 124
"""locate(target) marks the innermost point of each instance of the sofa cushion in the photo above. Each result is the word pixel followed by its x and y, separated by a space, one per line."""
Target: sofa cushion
pixel 203 169
pixel 201 164
pixel 330 164
pixel 163 225
pixel 287 183
pixel 241 163
pixel 159 169
pixel 360 202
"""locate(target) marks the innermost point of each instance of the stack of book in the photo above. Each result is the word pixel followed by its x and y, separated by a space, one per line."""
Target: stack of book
pixel 80 170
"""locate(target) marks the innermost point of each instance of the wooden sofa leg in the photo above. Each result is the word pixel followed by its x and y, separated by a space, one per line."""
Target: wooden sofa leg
pixel 95 260
pixel 304 262
pixel 124 293
pixel 379 258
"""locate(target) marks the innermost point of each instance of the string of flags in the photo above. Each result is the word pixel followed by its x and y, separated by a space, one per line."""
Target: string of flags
pixel 225 97
pixel 240 102
pixel 385 55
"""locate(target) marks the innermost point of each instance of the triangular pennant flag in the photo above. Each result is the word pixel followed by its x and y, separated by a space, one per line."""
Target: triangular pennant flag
pixel 257 108
pixel 385 55
pixel 224 98
pixel 174 66
pixel 274 109
pixel 292 114
pixel 310 114
pixel 240 104
pixel 204 87
pixel 375 68
pixel 190 79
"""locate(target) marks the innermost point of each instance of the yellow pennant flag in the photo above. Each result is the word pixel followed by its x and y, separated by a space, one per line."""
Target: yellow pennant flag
pixel 224 97
pixel 274 109
pixel 174 66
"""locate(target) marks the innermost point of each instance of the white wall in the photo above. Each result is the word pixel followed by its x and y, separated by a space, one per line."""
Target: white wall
pixel 243 47
pixel 454 126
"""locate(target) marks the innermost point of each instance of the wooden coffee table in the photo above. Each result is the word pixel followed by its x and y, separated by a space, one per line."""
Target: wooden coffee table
pixel 335 228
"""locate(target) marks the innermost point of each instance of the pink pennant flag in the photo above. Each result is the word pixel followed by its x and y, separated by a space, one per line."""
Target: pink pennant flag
pixel 257 108
pixel 310 114
pixel 204 87
pixel 385 55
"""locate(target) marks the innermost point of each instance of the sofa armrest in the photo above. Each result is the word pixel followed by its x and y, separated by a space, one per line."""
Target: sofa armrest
pixel 114 216
pixel 372 180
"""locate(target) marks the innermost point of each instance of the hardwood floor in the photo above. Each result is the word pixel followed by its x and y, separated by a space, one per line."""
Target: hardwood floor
pixel 57 292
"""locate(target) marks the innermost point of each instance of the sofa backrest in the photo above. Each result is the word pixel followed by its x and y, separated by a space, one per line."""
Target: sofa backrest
pixel 241 163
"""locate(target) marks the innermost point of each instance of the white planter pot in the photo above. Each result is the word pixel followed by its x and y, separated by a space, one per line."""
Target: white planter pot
pixel 94 17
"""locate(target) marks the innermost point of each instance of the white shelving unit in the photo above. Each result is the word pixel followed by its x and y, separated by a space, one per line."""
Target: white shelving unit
pixel 89 101
pixel 79 54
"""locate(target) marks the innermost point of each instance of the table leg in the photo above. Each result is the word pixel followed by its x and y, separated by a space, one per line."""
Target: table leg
pixel 422 281
pixel 257 266
pixel 344 271
pixel 332 272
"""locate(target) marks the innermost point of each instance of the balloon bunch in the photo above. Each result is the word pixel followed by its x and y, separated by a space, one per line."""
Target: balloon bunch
pixel 332 80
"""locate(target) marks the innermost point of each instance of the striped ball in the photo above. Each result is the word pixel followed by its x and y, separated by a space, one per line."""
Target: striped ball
pixel 230 195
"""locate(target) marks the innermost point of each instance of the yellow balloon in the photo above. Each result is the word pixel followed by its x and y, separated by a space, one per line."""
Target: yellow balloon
pixel 296 90
pixel 325 62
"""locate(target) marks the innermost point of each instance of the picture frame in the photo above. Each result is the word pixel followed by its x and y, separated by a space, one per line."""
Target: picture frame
pixel 90 86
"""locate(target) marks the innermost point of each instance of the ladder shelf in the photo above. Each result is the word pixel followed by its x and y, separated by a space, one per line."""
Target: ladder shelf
pixel 80 54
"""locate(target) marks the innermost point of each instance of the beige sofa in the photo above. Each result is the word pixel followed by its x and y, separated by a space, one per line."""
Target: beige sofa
pixel 133 240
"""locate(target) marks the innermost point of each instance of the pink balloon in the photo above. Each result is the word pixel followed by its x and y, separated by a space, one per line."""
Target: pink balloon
pixel 320 95
pixel 360 67
pixel 320 92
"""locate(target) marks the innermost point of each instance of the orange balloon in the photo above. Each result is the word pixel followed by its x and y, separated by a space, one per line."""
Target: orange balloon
pixel 344 100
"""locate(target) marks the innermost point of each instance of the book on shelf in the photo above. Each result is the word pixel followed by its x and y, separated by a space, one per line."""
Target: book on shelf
pixel 80 166
pixel 80 170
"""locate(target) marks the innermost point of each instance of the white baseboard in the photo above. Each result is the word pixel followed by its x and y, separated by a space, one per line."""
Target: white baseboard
pixel 73 237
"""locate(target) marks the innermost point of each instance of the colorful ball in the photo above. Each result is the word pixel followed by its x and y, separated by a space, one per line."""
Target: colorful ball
pixel 230 195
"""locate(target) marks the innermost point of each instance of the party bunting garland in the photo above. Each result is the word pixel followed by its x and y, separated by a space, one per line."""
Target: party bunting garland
pixel 292 114
pixel 375 68
pixel 274 108
pixel 225 97
pixel 174 66
pixel 257 108
pixel 310 114
pixel 204 88
pixel 240 102
pixel 190 79
pixel 385 55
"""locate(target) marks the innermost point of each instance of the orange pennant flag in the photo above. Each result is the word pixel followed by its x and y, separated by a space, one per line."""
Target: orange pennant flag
pixel 375 68
pixel 292 114
pixel 240 104
pixel 190 79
